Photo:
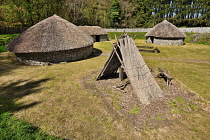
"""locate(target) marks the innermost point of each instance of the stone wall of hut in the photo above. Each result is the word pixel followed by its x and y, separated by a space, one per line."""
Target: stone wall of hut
pixel 54 57
pixel 166 41
pixel 98 38
pixel 103 37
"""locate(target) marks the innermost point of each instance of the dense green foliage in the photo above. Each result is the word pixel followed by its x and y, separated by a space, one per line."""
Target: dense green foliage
pixel 114 15
pixel 4 40
pixel 14 129
pixel 107 13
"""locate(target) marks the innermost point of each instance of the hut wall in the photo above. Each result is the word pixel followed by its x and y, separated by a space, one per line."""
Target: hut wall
pixel 103 37
pixel 166 41
pixel 54 57
pixel 169 41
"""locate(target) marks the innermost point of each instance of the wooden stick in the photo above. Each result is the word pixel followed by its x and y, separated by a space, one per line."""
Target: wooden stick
pixel 116 53
pixel 135 37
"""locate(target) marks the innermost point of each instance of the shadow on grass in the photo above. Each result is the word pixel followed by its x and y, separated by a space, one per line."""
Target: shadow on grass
pixel 96 52
pixel 12 92
pixel 7 63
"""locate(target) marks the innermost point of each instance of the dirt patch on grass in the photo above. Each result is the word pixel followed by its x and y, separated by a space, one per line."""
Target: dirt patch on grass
pixel 159 113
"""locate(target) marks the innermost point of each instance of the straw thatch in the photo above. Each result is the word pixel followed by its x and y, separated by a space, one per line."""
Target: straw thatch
pixel 93 30
pixel 165 29
pixel 49 35
pixel 98 33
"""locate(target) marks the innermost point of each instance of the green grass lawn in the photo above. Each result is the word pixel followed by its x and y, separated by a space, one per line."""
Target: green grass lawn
pixel 54 99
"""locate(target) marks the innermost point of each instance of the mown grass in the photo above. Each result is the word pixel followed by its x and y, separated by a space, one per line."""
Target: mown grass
pixel 139 35
pixel 189 51
pixel 195 76
pixel 64 107
pixel 55 99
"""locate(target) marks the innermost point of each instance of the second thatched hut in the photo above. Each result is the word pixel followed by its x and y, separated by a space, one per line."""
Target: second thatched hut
pixel 52 40
pixel 98 33
pixel 165 33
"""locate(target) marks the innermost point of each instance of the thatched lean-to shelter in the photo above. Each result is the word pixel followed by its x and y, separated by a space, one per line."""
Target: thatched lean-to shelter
pixel 126 55
pixel 98 33
pixel 165 33
pixel 52 40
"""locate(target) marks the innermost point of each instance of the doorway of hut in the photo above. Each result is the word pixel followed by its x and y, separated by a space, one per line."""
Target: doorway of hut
pixel 152 39
pixel 97 38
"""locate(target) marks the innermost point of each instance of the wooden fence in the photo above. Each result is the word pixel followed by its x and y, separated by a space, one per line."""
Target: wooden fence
pixel 12 30
pixel 194 30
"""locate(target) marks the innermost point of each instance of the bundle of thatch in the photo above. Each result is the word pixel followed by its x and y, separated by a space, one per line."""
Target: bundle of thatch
pixel 98 33
pixel 165 33
pixel 51 40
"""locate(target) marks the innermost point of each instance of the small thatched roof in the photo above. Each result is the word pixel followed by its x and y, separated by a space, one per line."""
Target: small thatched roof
pixel 93 30
pixel 51 34
pixel 165 29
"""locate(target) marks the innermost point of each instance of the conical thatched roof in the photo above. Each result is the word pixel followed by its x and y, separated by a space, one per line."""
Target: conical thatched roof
pixel 51 34
pixel 165 29
pixel 93 30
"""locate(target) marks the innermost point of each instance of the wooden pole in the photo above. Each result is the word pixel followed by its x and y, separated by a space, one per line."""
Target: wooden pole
pixel 121 73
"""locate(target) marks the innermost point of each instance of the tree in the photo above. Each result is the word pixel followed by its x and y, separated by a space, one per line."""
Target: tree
pixel 115 12
pixel 107 13
pixel 142 13
pixel 29 12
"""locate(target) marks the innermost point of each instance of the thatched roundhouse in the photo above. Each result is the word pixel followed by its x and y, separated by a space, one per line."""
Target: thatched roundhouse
pixel 52 40
pixel 98 33
pixel 165 33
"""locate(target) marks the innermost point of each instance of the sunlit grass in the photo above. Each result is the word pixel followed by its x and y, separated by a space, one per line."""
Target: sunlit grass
pixel 137 35
pixel 104 47
pixel 190 51
pixel 66 108
pixel 195 76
